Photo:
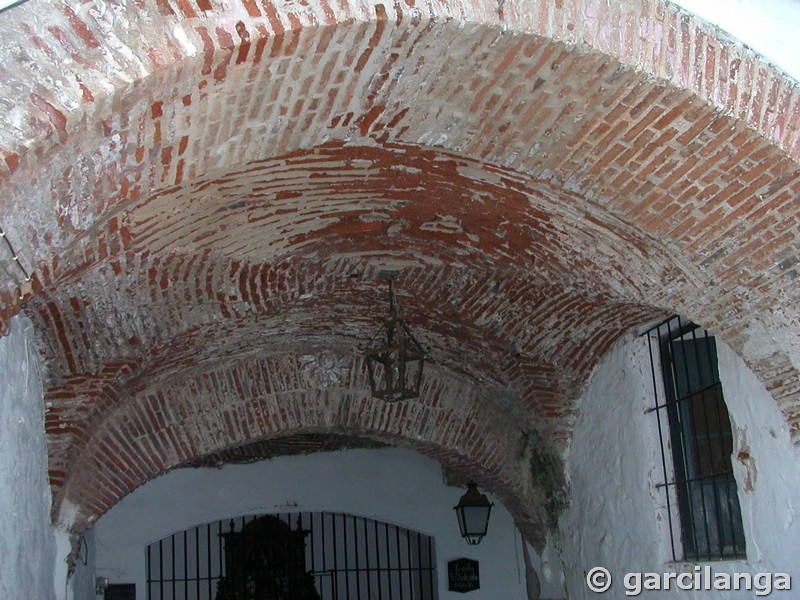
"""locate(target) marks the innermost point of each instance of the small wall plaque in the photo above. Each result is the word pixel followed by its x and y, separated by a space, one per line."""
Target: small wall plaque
pixel 463 575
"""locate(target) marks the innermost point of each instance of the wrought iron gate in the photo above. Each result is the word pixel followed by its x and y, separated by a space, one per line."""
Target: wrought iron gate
pixel 349 558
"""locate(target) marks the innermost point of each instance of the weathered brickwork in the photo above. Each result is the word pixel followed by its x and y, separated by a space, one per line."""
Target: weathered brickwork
pixel 285 395
pixel 195 184
pixel 308 443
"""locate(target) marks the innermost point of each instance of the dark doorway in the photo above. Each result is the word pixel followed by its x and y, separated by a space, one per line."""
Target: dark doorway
pixel 266 560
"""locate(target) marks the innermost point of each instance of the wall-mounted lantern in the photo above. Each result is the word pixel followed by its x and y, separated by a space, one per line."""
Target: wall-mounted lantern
pixel 473 511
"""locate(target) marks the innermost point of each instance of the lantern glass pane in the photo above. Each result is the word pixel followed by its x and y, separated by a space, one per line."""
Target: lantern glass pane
pixel 476 519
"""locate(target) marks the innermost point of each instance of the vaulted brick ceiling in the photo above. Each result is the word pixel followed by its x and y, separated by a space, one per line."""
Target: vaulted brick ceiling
pixel 206 193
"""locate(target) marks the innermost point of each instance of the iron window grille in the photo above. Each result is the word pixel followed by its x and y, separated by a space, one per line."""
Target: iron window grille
pixel 347 556
pixel 696 443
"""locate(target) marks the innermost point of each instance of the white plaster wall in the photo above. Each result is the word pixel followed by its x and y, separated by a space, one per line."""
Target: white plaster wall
pixel 81 583
pixel 617 517
pixel 27 542
pixel 394 485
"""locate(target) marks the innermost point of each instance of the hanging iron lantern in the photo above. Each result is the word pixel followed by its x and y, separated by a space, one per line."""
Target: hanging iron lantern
pixel 395 359
pixel 473 511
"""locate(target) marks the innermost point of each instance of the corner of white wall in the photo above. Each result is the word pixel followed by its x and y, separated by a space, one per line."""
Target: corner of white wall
pixel 617 516
pixel 27 544
pixel 61 575
pixel 766 466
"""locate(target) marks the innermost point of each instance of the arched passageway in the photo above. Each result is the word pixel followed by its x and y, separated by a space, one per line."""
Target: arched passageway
pixel 195 185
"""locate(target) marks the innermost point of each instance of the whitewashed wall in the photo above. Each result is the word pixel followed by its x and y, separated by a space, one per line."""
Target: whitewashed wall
pixel 617 517
pixel 27 543
pixel 391 484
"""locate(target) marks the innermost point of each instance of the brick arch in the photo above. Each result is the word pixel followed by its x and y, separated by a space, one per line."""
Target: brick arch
pixel 688 140
pixel 536 371
pixel 139 138
pixel 228 246
pixel 528 252
pixel 294 445
pixel 531 252
pixel 284 395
